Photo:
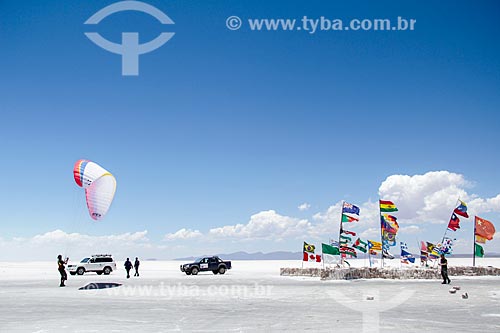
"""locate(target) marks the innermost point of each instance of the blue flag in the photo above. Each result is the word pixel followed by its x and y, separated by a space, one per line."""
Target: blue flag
pixel 462 210
pixel 350 208
pixel 405 255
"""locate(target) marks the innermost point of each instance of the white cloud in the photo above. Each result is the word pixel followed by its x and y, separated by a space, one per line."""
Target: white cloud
pixel 411 230
pixel 431 197
pixel 76 245
pixel 371 233
pixel 422 200
pixel 303 207
pixel 183 234
pixel 264 225
pixel 329 221
pixel 479 205
pixel 59 236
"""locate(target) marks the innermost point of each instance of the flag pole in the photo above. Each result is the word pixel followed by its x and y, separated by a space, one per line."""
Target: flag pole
pixel 453 212
pixel 364 264
pixel 340 233
pixel 303 255
pixel 400 251
pixel 474 244
pixel 381 234
pixel 419 247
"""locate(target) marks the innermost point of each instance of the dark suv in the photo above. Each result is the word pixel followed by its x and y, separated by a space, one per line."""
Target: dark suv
pixel 214 264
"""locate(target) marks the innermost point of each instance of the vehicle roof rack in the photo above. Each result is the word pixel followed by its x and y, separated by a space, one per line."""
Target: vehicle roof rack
pixel 101 255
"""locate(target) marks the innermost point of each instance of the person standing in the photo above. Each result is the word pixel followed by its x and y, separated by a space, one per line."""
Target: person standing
pixel 136 266
pixel 444 270
pixel 62 270
pixel 128 267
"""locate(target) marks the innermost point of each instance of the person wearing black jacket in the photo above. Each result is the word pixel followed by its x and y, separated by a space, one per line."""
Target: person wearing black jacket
pixel 136 266
pixel 128 267
pixel 62 270
pixel 444 270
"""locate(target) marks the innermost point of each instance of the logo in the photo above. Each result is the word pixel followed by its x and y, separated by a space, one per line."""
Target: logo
pixel 371 305
pixel 129 49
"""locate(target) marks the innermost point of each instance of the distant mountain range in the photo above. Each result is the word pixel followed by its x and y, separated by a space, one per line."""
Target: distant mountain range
pixel 285 255
pixel 278 255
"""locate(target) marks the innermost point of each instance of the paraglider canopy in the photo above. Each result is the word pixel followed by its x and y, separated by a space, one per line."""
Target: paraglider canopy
pixel 99 185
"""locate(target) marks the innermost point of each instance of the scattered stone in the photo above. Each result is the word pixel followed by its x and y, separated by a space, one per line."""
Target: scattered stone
pixel 452 291
pixel 370 298
pixel 465 296
pixel 456 287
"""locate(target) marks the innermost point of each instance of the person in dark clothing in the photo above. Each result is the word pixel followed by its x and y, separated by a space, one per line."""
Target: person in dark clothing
pixel 136 266
pixel 444 270
pixel 128 267
pixel 62 270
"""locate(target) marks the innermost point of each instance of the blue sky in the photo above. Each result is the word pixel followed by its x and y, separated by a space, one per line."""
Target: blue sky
pixel 221 125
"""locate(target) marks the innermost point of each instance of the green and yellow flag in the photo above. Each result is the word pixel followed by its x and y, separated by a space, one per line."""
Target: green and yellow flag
pixel 309 248
pixel 387 206
pixel 478 250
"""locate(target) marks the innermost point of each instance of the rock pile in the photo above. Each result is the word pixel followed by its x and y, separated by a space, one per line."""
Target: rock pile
pixel 387 273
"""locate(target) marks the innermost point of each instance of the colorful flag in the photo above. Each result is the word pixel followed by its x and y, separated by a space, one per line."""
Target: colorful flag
pixel 484 228
pixel 387 255
pixel 309 248
pixel 423 256
pixel 405 252
pixel 387 206
pixel 374 245
pixel 345 239
pixel 360 245
pixel 446 247
pixel 433 255
pixel 405 255
pixel 480 239
pixel 430 247
pixel 454 222
pixel 350 209
pixel 423 246
pixel 462 210
pixel 349 251
pixel 389 224
pixel 373 253
pixel 347 232
pixel 334 243
pixel 389 238
pixel 311 257
pixel 478 250
pixel 390 218
pixel 347 218
pixel 327 249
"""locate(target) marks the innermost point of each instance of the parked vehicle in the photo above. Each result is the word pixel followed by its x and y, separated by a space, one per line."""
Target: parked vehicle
pixel 214 264
pixel 99 263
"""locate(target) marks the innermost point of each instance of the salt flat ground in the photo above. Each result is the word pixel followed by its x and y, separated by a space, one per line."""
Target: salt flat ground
pixel 250 297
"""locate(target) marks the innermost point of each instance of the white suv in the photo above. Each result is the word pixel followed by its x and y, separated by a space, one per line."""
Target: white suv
pixel 99 263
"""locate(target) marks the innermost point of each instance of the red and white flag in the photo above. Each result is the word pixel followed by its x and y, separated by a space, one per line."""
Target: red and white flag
pixel 311 257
